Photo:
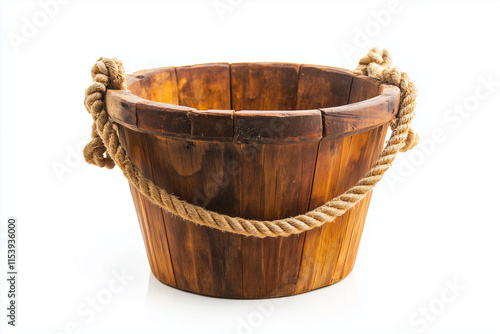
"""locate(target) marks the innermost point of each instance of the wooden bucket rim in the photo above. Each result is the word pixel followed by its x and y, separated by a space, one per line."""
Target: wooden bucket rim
pixel 246 126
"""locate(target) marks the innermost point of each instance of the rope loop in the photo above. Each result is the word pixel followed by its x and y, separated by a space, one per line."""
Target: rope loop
pixel 105 150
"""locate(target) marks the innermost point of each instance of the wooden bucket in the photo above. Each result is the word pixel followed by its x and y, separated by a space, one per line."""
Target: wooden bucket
pixel 254 140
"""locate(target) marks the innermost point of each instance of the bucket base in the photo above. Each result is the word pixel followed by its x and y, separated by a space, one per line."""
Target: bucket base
pixel 262 297
pixel 227 265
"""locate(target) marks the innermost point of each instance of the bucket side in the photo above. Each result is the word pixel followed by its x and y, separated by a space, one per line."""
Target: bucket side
pixel 261 181
pixel 251 180
pixel 237 173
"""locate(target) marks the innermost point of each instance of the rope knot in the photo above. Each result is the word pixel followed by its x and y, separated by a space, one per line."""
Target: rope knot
pixel 378 64
pixel 411 140
pixel 107 73
pixel 111 70
pixel 95 153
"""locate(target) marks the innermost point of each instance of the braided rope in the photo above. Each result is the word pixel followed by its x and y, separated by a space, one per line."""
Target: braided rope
pixel 105 150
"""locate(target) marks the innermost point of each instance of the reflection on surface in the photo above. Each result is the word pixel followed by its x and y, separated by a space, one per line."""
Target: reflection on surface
pixel 174 309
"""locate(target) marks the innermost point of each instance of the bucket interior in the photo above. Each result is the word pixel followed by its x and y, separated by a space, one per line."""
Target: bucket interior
pixel 252 86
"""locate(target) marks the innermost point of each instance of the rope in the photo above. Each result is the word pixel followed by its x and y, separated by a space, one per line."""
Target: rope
pixel 105 150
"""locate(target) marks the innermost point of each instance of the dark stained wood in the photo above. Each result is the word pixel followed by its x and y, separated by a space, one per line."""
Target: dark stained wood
pixel 212 124
pixel 264 86
pixel 358 117
pixel 361 115
pixel 363 88
pixel 204 260
pixel 315 253
pixel 204 86
pixel 271 189
pixel 323 87
pixel 164 118
pixel 278 126
pixel 370 105
pixel 254 162
pixel 122 107
pixel 150 216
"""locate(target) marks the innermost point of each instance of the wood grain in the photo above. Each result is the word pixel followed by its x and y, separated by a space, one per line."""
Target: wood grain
pixel 262 141
pixel 204 86
pixel 277 126
pixel 264 86
pixel 165 118
pixel 353 118
pixel 122 108
pixel 159 85
pixel 150 216
pixel 212 124
pixel 323 87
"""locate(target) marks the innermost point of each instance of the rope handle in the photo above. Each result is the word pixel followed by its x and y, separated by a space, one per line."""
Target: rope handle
pixel 105 150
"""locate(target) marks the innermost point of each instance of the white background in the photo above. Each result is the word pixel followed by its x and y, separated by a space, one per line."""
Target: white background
pixel 433 220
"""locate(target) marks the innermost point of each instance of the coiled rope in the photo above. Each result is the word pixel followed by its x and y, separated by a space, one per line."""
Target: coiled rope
pixel 105 150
